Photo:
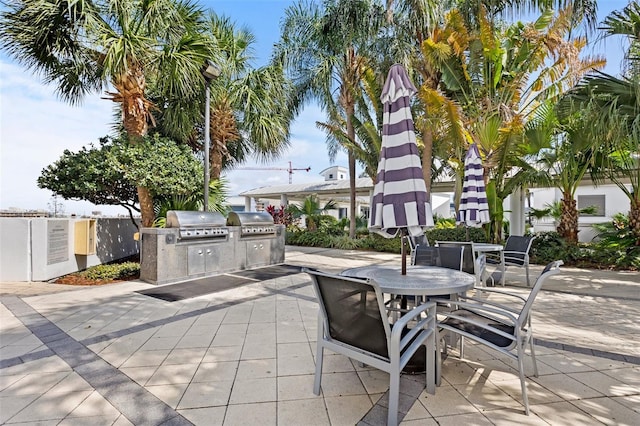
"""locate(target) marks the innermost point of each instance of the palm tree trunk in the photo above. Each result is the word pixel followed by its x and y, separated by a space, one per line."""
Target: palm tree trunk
pixel 135 112
pixel 427 154
pixel 634 217
pixel 215 162
pixel 568 225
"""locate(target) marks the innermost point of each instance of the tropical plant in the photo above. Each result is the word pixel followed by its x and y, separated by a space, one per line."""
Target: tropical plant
pixel 618 239
pixel 325 50
pixel 86 175
pixel 499 78
pixel 192 202
pixel 250 114
pixel 109 174
pixel 282 217
pixel 84 47
pixel 565 163
pixel 312 211
pixel 615 108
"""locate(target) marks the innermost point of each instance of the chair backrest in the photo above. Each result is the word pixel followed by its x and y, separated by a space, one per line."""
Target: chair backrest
pixel 468 255
pixel 551 269
pixel 516 247
pixel 445 257
pixel 420 240
pixel 353 311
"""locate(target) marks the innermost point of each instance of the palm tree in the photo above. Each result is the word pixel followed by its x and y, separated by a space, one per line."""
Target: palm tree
pixel 311 210
pixel 367 125
pixel 325 51
pixel 499 79
pixel 86 47
pixel 615 104
pixel 249 115
pixel 565 162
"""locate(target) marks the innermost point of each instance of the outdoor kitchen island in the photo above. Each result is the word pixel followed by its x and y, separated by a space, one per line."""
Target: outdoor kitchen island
pixel 201 244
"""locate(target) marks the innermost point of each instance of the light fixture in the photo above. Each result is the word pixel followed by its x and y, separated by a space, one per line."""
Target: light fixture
pixel 210 71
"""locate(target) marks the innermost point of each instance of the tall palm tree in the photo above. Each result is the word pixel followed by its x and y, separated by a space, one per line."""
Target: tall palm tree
pixel 249 106
pixel 84 47
pixel 616 106
pixel 325 50
pixel 566 160
pixel 499 79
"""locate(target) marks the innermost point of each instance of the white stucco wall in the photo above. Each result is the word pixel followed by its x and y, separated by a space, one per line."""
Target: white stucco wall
pixel 615 202
pixel 40 249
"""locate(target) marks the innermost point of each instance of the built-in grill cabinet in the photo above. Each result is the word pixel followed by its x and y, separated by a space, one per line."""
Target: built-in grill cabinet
pixel 258 240
pixel 198 244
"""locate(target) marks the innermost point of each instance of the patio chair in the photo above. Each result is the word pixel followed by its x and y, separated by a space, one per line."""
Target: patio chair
pixel 468 255
pixel 414 242
pixel 482 277
pixel 497 325
pixel 516 253
pixel 352 321
pixel 446 257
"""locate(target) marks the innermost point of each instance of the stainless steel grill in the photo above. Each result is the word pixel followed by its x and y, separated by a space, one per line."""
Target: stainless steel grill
pixel 194 225
pixel 252 223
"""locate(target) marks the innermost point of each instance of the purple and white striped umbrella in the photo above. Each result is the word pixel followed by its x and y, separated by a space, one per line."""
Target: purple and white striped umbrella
pixel 400 200
pixel 474 209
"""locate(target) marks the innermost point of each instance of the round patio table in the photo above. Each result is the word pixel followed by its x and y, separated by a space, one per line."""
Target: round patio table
pixel 419 281
pixel 493 248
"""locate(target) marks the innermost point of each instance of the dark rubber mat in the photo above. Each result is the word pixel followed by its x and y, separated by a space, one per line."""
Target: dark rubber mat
pixel 195 288
pixel 202 286
pixel 269 272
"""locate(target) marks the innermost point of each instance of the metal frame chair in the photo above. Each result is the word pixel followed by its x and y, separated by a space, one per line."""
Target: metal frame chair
pixel 468 254
pixel 516 253
pixel 352 321
pixel 415 242
pixel 496 325
pixel 445 257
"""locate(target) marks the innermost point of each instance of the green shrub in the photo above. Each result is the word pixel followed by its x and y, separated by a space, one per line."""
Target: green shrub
pixel 113 271
pixel 345 243
pixel 550 246
pixel 459 233
pixel 306 238
pixel 331 226
pixel 379 243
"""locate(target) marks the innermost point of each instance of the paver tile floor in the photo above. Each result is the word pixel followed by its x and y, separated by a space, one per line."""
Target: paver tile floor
pixel 111 356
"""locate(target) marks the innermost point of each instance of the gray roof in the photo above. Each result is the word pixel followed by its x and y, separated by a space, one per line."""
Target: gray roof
pixel 302 190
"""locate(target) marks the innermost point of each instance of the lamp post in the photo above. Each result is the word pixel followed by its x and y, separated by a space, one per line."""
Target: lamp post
pixel 210 71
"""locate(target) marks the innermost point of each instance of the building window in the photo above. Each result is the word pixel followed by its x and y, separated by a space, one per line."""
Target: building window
pixel 592 200
pixel 342 212
pixel 330 175
pixel 365 211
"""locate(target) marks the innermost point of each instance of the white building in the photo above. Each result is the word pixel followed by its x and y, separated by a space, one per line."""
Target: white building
pixel 335 186
pixel 608 199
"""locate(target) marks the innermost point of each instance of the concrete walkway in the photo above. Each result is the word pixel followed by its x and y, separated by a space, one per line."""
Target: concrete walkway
pixel 108 355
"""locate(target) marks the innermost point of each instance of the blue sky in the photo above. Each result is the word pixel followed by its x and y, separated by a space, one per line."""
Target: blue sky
pixel 35 127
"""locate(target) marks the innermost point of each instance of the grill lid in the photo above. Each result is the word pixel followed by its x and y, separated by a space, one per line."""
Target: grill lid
pixel 249 219
pixel 195 225
pixel 193 219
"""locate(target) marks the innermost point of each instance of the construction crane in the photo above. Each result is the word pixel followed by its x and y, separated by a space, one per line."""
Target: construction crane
pixel 288 169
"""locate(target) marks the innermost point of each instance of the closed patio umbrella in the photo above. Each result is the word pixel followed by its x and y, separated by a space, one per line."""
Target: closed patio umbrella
pixel 400 202
pixel 474 209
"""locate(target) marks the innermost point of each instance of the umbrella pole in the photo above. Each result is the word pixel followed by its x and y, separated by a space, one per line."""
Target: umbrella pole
pixel 403 250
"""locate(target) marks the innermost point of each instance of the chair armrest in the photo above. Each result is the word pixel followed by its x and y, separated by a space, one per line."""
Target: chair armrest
pixel 488 303
pixel 403 321
pixel 500 314
pixel 499 291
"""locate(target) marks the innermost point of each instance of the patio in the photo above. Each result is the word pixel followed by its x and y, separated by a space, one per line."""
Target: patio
pixel 108 355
